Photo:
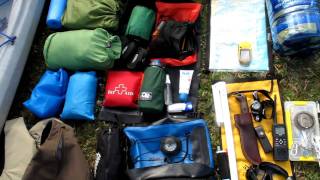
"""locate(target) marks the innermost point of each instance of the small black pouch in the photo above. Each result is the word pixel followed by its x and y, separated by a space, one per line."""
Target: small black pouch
pixel 175 40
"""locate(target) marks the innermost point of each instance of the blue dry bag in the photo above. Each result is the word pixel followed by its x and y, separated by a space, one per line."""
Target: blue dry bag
pixel 180 149
pixel 81 96
pixel 48 96
pixel 55 13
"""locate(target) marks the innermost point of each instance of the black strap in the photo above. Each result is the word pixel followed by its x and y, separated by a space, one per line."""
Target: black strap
pixel 269 170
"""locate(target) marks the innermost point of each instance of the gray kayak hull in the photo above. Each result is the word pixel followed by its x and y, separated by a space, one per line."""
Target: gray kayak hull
pixel 23 17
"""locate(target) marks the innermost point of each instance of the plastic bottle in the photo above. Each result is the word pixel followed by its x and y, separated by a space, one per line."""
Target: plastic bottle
pixel 180 107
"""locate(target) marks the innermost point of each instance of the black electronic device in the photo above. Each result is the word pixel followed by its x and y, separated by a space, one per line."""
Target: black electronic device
pixel 263 139
pixel 280 138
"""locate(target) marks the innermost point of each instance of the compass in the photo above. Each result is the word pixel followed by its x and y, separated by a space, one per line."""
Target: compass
pixel 170 146
pixel 304 120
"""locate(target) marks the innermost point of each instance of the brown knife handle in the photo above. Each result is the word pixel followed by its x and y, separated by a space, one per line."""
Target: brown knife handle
pixel 242 99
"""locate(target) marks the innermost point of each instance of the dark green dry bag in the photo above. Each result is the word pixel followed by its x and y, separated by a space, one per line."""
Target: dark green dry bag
pixel 141 22
pixel 151 100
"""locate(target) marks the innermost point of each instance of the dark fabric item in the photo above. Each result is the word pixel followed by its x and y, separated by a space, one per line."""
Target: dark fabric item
pixel 126 116
pixel 175 40
pixel 139 60
pixel 108 157
pixel 151 100
pixel 128 51
pixel 200 146
pixel 2 152
pixel 174 73
pixel 59 157
pixel 195 170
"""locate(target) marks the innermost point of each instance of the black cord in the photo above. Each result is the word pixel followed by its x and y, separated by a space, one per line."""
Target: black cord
pixel 186 153
pixel 187 150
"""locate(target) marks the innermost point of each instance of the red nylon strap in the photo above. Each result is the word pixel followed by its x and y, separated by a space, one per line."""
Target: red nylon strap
pixel 177 62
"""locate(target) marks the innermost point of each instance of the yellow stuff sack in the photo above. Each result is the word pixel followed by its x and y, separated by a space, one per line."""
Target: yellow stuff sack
pixel 234 107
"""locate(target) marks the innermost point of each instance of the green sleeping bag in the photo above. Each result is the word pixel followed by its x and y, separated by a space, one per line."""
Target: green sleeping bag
pixel 82 50
pixel 91 14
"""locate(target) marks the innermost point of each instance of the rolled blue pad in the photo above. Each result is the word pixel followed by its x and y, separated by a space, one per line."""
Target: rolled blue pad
pixel 48 96
pixel 56 11
pixel 81 97
pixel 145 143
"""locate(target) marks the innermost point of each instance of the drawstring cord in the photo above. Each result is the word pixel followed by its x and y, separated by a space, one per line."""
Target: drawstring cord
pixel 3 25
pixel 10 39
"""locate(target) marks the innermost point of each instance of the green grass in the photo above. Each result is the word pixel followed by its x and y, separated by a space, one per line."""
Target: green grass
pixel 299 80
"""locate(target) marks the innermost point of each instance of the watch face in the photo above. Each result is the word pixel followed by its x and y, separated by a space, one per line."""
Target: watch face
pixel 304 120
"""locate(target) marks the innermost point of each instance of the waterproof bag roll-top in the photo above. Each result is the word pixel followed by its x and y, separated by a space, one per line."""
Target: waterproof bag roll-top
pixel 141 22
pixel 81 96
pixel 91 14
pixel 82 50
pixel 151 100
pixel 48 96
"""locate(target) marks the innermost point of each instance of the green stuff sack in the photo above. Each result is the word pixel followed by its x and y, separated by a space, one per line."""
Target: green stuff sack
pixel 141 22
pixel 91 14
pixel 151 100
pixel 82 50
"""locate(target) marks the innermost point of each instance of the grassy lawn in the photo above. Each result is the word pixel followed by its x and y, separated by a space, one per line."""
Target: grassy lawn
pixel 299 80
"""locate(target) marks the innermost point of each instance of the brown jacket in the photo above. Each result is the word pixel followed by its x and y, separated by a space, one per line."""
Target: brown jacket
pixel 59 156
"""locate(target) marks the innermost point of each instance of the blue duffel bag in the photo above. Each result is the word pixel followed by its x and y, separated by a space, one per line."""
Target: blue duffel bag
pixel 48 96
pixel 170 150
pixel 81 96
